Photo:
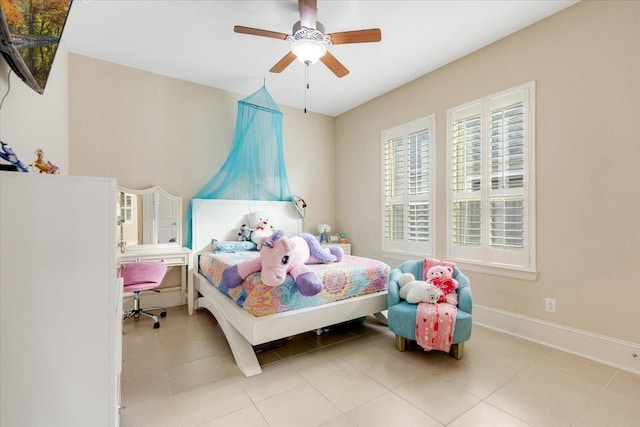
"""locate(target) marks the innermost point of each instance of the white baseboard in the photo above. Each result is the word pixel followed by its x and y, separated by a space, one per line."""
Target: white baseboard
pixel 620 354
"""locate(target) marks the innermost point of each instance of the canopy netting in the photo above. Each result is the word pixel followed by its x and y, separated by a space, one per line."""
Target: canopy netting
pixel 254 169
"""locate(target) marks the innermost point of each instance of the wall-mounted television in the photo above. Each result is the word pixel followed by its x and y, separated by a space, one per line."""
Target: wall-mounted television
pixel 30 32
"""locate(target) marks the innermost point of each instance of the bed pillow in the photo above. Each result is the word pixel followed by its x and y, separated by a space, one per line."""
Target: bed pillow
pixel 231 247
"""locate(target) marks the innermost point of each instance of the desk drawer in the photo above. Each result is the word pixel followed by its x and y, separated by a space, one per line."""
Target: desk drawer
pixel 168 259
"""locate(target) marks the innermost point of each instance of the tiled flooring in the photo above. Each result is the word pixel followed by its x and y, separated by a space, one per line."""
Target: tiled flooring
pixel 183 375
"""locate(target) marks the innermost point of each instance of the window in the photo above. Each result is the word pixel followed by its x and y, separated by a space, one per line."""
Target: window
pixel 408 153
pixel 490 149
pixel 126 207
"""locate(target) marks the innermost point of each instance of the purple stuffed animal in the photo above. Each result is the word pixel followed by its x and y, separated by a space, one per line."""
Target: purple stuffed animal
pixel 279 256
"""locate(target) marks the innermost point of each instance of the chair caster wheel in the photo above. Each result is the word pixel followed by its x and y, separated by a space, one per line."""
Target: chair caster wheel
pixel 163 314
pixel 156 325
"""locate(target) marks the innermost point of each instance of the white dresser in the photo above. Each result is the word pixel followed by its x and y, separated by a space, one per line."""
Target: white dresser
pixel 61 301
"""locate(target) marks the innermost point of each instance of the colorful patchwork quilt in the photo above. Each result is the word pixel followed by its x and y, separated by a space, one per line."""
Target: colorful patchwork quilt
pixel 351 277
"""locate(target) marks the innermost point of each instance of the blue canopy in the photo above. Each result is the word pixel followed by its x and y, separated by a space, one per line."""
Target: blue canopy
pixel 254 169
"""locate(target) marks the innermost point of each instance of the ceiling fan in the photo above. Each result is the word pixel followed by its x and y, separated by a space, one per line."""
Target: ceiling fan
pixel 309 41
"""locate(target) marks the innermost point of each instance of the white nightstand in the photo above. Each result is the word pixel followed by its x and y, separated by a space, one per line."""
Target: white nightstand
pixel 346 247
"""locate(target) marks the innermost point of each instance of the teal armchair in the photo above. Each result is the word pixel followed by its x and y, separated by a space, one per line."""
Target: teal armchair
pixel 402 315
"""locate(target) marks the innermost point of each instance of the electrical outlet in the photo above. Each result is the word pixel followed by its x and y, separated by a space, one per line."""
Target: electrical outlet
pixel 550 305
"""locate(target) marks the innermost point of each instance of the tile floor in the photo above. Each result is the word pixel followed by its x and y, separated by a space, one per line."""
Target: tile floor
pixel 183 375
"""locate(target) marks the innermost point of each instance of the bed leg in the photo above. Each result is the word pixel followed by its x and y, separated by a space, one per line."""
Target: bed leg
pixel 191 293
pixel 242 350
pixel 320 331
pixel 382 317
pixel 401 343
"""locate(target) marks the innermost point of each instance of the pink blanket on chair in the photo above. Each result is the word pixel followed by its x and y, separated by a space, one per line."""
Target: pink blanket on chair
pixel 435 322
pixel 434 325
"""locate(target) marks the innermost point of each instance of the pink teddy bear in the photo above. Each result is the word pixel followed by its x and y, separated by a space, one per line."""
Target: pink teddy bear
pixel 441 276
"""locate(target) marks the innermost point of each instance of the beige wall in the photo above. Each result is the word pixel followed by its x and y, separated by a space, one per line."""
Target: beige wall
pixel 29 120
pixel 586 64
pixel 146 129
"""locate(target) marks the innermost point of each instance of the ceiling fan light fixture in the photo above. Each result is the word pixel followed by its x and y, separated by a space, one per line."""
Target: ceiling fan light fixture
pixel 308 51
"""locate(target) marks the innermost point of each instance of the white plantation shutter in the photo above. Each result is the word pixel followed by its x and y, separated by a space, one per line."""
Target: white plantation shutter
pixel 466 154
pixel 394 152
pixel 408 193
pixel 507 146
pixel 466 182
pixel 418 222
pixel 507 223
pixel 490 156
pixel 466 178
pixel 507 176
pixel 466 223
pixel 419 186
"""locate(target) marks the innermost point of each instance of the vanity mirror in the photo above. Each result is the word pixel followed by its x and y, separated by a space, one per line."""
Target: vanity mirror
pixel 148 218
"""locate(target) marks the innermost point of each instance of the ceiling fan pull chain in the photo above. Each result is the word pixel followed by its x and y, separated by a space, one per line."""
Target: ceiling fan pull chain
pixel 306 84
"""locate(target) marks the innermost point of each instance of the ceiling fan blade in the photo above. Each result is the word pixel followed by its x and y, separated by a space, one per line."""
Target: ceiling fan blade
pixel 308 13
pixel 258 32
pixel 283 63
pixel 334 65
pixel 356 36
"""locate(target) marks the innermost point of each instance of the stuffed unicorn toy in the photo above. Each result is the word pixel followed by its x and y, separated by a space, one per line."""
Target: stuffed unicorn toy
pixel 279 256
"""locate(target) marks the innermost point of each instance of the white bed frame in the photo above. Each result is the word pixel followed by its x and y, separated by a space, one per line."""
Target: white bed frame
pixel 221 219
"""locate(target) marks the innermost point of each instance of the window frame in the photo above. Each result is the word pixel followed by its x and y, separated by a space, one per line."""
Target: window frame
pixel 484 257
pixel 404 248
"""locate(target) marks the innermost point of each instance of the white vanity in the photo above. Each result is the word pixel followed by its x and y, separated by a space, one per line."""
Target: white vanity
pixel 150 229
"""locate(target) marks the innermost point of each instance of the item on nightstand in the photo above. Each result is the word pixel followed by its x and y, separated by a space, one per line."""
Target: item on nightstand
pixel 279 256
pixel 343 237
pixel 261 226
pixel 416 291
pixel 44 167
pixel 324 230
pixel 334 238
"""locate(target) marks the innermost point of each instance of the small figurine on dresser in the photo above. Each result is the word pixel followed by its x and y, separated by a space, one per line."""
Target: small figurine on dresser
pixel 44 167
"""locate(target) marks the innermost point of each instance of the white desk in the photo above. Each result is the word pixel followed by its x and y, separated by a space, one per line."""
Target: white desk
pixel 172 257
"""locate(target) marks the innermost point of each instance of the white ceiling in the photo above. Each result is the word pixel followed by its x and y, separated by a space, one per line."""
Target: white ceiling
pixel 193 40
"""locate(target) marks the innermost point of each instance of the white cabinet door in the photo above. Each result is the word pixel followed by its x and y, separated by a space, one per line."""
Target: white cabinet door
pixel 58 301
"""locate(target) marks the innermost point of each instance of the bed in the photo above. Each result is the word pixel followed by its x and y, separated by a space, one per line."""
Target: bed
pixel 221 220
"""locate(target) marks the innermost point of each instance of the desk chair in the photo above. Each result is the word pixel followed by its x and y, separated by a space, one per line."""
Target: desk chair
pixel 143 276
